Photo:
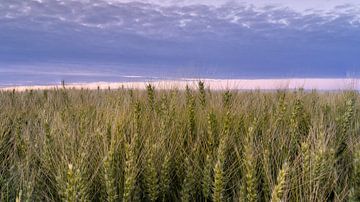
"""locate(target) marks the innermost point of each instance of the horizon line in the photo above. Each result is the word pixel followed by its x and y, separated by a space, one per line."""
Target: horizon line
pixel 324 84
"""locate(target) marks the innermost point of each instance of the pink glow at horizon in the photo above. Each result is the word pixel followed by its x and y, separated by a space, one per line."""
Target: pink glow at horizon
pixel 216 84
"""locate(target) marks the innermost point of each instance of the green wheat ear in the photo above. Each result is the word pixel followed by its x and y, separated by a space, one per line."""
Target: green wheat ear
pixel 279 189
pixel 207 177
pixel 187 188
pixel 74 188
pixel 191 117
pixel 165 176
pixel 202 94
pixel 129 172
pixel 347 116
pixel 110 175
pixel 249 186
pixel 227 98
pixel 151 96
pixel 151 176
pixel 218 194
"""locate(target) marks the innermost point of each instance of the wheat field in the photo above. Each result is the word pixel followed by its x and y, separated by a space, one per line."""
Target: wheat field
pixel 179 145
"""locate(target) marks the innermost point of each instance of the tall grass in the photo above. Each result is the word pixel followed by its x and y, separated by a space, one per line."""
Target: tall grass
pixel 173 145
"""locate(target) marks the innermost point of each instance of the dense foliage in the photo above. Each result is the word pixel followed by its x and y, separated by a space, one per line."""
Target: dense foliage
pixel 179 145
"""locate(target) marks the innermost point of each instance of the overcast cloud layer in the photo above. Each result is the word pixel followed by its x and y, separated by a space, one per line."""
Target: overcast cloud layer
pixel 183 38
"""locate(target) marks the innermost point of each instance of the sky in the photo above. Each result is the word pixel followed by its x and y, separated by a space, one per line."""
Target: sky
pixel 102 39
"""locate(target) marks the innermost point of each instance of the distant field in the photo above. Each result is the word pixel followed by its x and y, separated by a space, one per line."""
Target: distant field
pixel 179 145
pixel 323 84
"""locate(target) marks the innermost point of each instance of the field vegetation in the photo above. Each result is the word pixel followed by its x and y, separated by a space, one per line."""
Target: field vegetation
pixel 179 145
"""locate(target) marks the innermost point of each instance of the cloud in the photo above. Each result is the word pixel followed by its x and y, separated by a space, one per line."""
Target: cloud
pixel 293 4
pixel 237 37
pixel 150 19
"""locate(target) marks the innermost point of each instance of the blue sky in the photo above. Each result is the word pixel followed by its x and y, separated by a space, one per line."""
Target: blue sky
pixel 203 38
